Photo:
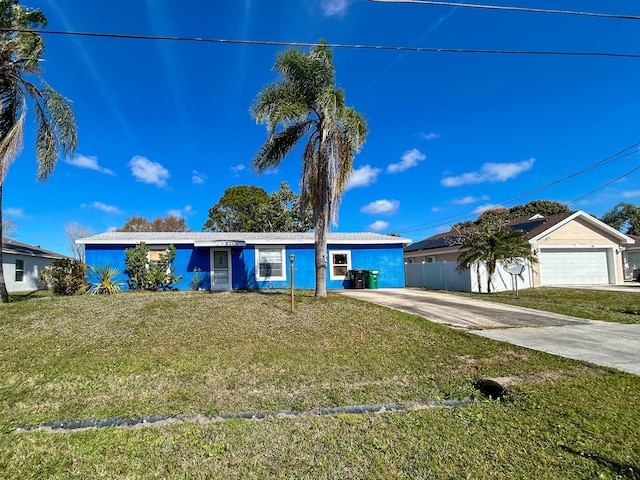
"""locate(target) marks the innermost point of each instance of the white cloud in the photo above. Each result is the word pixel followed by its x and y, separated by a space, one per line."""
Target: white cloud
pixel 470 199
pixel 89 162
pixel 14 212
pixel 334 8
pixel 147 171
pixel 631 194
pixel 381 207
pixel 198 178
pixel 363 177
pixel 102 206
pixel 430 135
pixel 487 206
pixel 409 159
pixel 379 226
pixel 490 172
pixel 181 213
pixel 238 168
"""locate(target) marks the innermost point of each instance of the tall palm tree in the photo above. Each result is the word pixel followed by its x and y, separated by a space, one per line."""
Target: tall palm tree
pixel 489 245
pixel 21 51
pixel 306 102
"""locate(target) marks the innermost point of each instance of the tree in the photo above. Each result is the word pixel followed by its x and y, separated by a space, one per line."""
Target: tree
pixel 285 212
pixel 501 214
pixel 492 244
pixel 624 217
pixel 542 207
pixel 234 211
pixel 9 227
pixel 21 51
pixel 171 223
pixel 73 231
pixel 306 102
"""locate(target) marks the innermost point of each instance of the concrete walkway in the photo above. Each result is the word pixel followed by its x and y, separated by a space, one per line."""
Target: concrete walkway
pixel 603 343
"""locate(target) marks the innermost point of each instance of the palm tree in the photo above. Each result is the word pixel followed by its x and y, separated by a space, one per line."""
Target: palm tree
pixel 306 102
pixel 21 51
pixel 624 217
pixel 491 244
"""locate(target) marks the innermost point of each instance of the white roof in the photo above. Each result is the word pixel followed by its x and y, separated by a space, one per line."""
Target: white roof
pixel 219 239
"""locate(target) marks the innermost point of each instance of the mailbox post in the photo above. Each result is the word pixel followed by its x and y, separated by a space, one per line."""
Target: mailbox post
pixel 515 269
pixel 292 258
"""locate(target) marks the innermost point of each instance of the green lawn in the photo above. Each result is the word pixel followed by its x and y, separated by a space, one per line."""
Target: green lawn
pixel 134 355
pixel 609 306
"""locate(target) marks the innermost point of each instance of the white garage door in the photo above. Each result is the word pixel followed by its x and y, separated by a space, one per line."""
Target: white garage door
pixel 574 267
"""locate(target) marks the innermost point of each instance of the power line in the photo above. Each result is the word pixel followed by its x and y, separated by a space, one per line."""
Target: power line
pixel 604 185
pixel 625 152
pixel 329 45
pixel 516 9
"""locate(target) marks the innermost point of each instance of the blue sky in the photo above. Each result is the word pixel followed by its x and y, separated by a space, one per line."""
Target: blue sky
pixel 164 126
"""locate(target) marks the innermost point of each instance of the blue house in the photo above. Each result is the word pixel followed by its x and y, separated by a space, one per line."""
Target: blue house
pixel 237 261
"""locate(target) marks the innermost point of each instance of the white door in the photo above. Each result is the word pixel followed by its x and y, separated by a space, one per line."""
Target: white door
pixel 574 266
pixel 220 269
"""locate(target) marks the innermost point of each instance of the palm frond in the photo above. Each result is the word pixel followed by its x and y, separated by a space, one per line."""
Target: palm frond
pixel 11 145
pixel 275 149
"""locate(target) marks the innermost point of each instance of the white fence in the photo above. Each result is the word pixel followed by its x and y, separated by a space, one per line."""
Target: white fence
pixel 443 276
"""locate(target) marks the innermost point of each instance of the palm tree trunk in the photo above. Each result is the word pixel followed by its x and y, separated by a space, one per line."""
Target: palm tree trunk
pixel 321 223
pixel 4 294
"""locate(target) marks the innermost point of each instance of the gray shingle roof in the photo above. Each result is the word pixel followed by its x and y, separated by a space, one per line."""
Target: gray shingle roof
pixel 189 238
pixel 19 248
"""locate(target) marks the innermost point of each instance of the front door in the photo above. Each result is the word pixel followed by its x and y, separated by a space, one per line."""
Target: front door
pixel 220 269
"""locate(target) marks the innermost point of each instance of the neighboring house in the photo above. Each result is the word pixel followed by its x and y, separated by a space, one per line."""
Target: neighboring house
pixel 572 249
pixel 236 261
pixel 631 259
pixel 22 265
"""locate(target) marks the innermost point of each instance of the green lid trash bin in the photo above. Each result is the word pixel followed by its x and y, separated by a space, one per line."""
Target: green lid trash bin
pixel 372 279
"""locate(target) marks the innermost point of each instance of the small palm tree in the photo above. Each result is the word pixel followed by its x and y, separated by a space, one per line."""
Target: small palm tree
pixel 21 51
pixel 306 102
pixel 491 244
pixel 107 283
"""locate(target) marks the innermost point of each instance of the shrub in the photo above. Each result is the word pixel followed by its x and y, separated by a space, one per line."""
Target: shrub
pixel 196 282
pixel 106 284
pixel 146 275
pixel 66 276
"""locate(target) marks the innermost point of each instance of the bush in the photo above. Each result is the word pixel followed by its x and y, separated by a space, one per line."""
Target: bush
pixel 107 282
pixel 153 276
pixel 66 276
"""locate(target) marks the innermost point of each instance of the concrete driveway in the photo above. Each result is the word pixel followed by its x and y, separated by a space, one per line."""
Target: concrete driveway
pixel 603 343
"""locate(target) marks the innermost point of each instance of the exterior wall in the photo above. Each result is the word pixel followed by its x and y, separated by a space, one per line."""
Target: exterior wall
pixel 387 259
pixel 33 267
pixel 577 232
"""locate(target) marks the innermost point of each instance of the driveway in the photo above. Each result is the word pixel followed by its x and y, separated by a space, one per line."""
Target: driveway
pixel 458 311
pixel 603 343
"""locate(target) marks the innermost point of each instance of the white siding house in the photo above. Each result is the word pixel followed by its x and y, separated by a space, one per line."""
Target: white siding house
pixel 22 265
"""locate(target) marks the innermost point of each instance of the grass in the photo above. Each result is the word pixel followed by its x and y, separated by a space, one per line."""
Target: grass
pixel 609 306
pixel 147 354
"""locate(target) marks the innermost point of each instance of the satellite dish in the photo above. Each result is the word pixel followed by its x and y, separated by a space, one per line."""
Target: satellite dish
pixel 515 268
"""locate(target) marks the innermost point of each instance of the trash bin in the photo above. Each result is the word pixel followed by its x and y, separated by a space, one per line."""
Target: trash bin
pixel 372 279
pixel 358 278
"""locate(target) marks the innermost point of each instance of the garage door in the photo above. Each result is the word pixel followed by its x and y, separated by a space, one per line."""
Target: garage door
pixel 574 267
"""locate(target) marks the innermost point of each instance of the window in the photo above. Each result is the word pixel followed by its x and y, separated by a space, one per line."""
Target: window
pixel 340 264
pixel 19 270
pixel 270 263
pixel 154 255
